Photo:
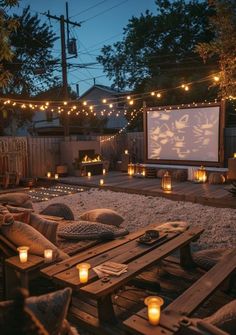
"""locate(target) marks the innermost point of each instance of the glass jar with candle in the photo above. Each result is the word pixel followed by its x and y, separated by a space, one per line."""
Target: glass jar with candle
pixel 83 272
pixel 23 254
pixel 48 255
pixel 154 309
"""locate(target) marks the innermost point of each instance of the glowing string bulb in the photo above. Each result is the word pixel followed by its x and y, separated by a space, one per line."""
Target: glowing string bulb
pixel 85 103
pixel 186 88
pixel 128 97
pixel 216 78
pixel 158 95
pixel 104 100
pixel 131 102
pixel 110 105
pixel 152 93
pixel 65 103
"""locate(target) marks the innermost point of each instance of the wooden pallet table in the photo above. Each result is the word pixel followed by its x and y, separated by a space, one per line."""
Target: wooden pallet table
pixel 97 295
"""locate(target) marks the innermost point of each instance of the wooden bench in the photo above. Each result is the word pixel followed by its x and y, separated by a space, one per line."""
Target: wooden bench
pixel 185 304
pixel 126 250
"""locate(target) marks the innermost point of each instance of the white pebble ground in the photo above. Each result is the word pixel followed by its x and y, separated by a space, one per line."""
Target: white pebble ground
pixel 139 211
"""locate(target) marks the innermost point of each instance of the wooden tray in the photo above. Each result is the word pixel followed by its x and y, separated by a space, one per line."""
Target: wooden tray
pixel 154 239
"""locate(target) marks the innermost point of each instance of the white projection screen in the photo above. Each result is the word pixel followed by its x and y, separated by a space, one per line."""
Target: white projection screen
pixel 188 134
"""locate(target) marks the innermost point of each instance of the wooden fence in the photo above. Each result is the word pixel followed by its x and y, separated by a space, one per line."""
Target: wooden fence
pixel 34 156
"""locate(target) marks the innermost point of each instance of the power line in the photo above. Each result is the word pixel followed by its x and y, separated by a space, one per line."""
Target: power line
pixel 87 9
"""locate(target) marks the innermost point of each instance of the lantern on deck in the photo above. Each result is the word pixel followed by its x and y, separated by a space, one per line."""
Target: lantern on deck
pixel 166 183
pixel 130 169
pixel 201 175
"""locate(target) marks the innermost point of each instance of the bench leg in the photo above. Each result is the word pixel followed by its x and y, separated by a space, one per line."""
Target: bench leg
pixel 106 312
pixel 186 260
pixel 13 280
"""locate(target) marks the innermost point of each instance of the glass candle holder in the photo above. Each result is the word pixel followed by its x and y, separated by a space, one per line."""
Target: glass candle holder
pixel 48 255
pixel 103 171
pixel 23 254
pixel 89 174
pixel 101 182
pixel 56 176
pixel 235 155
pixel 154 309
pixel 83 271
pixel 49 174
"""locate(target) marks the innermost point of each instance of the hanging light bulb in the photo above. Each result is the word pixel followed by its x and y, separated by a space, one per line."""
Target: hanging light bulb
pixel 104 101
pixel 152 93
pixel 158 95
pixel 216 78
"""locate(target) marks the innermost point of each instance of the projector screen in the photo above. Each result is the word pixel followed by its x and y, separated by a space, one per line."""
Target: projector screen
pixel 188 134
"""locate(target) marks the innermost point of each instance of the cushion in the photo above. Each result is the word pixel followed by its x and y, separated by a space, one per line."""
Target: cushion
pixel 225 318
pixel 49 309
pixel 46 227
pixel 59 209
pixel 173 226
pixel 16 199
pixel 20 210
pixel 85 230
pixel 206 259
pixel 20 234
pixel 5 216
pixel 103 215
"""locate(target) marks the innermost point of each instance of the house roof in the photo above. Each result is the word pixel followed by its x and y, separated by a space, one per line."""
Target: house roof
pixel 103 88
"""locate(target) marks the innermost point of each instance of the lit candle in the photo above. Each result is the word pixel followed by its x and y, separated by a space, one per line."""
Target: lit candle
pixel 83 272
pixel 126 152
pixel 144 173
pixel 103 171
pixel 154 309
pixel 48 254
pixel 56 176
pixel 101 182
pixel 235 155
pixel 49 174
pixel 89 174
pixel 23 254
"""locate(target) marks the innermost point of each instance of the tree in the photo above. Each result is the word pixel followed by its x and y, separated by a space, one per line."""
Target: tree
pixel 223 46
pixel 158 52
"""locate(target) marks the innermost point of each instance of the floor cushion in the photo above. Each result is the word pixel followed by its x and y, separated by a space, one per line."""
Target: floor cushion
pixel 25 213
pixel 16 199
pixel 47 228
pixel 6 217
pixel 59 209
pixel 225 318
pixel 85 230
pixel 173 226
pixel 206 259
pixel 103 215
pixel 20 234
pixel 49 309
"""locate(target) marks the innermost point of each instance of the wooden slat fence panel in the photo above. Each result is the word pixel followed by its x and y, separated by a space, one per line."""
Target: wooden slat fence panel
pixel 44 154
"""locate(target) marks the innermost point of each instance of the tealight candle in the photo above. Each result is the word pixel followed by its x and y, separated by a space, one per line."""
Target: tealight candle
pixel 101 182
pixel 49 174
pixel 48 254
pixel 83 272
pixel 235 155
pixel 154 309
pixel 56 176
pixel 89 174
pixel 23 254
pixel 126 152
pixel 103 171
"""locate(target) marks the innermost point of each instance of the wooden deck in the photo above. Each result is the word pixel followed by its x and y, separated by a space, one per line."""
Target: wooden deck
pixel 206 194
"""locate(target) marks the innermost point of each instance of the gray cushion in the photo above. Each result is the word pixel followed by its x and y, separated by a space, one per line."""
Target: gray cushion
pixel 16 199
pixel 50 309
pixel 20 234
pixel 225 318
pixel 85 230
pixel 103 215
pixel 59 209
pixel 206 259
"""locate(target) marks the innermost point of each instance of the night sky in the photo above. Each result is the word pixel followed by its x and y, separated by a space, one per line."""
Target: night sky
pixel 102 22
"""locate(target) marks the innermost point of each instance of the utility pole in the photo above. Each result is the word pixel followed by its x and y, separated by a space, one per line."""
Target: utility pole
pixel 62 21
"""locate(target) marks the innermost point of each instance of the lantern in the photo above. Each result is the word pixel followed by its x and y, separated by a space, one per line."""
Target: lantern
pixel 48 255
pixel 49 174
pixel 201 175
pixel 166 184
pixel 154 309
pixel 101 182
pixel 131 169
pixel 23 254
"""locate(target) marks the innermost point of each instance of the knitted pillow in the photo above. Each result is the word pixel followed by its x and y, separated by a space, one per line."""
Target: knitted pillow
pixel 225 318
pixel 50 309
pixel 85 230
pixel 20 234
pixel 16 199
pixel 103 215
pixel 46 227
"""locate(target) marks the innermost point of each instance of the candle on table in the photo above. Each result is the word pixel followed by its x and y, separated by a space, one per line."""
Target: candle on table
pixel 126 152
pixel 89 174
pixel 101 182
pixel 23 254
pixel 235 155
pixel 48 254
pixel 49 174
pixel 154 309
pixel 56 176
pixel 103 171
pixel 83 272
